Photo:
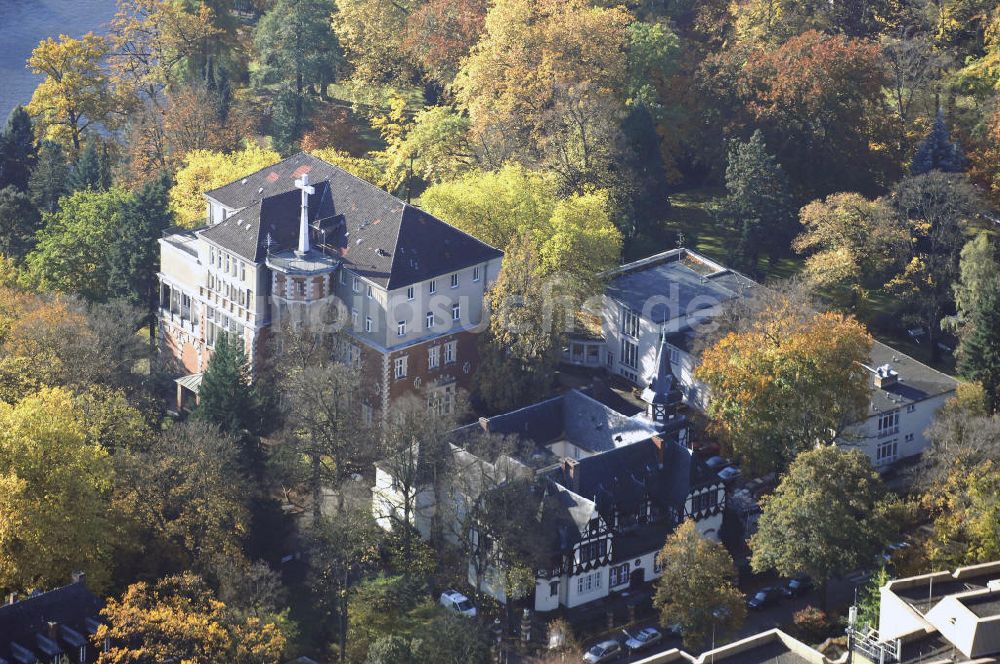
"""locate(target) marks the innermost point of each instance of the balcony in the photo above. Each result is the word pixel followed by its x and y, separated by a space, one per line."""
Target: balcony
pixel 891 431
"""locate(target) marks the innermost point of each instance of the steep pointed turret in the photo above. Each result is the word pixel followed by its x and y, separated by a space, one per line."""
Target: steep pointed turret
pixel 663 396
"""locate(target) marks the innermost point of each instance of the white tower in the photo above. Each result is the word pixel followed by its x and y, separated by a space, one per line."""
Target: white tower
pixel 303 184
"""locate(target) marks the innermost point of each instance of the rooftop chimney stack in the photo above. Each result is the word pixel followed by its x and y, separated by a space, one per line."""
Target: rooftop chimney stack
pixel 303 184
pixel 885 376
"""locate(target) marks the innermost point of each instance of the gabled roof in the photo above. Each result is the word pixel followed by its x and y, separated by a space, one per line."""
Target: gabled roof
pixel 23 622
pixel 377 235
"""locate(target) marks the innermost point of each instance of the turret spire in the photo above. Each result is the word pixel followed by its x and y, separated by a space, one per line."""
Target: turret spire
pixel 303 184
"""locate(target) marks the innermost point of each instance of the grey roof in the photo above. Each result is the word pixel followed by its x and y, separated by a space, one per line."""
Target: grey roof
pixel 376 234
pixel 574 417
pixel 916 382
pixel 674 284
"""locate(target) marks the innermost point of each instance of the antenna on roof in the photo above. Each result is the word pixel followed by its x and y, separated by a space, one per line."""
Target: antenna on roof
pixel 268 243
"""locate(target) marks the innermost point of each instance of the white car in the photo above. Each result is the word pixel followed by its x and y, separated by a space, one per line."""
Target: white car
pixel 457 602
pixel 605 651
pixel 644 638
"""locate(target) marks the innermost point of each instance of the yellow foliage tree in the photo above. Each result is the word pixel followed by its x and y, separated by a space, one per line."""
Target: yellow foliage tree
pixel 76 93
pixel 788 382
pixel 179 619
pixel 204 170
pixel 54 506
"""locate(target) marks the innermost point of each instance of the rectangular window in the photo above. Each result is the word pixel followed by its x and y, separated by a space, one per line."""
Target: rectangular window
pixel 630 353
pixel 450 352
pixel 630 323
pixel 370 292
pixel 430 319
pixel 354 318
pixel 589 582
pixel 432 286
pixel 456 312
pixel 343 278
pixel 227 263
pixel 367 415
pixel 211 255
pixel 409 293
pixel 354 356
pixel 454 280
pixel 912 408
pixel 249 299
pixel 433 357
pixel 356 285
pixel 368 323
pixel 401 367
pixel 675 355
pixel 302 288
pixel 886 452
pixel 592 550
pixel 619 575
pixel 908 438
pixel 243 271
pixel 475 273
pixel 401 328
pixel 888 424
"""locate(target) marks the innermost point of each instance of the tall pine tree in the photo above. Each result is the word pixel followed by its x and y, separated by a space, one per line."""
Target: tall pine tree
pixel 50 180
pixel 19 221
pixel 226 397
pixel 977 296
pixel 937 152
pixel 93 169
pixel 18 150
pixel 758 205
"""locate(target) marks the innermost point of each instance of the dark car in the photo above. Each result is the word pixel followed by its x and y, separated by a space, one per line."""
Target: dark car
pixel 763 598
pixel 798 586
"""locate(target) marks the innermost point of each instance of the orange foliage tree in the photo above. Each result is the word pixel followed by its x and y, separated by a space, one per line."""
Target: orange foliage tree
pixel 786 383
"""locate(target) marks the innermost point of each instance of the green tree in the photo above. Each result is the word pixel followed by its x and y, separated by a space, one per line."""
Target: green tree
pixel 937 152
pixel 18 151
pixel 19 222
pixel 523 344
pixel 49 180
pixel 827 517
pixel 936 208
pixel 72 254
pixel 296 49
pixel 226 397
pixel 92 169
pixel 870 601
pixel 965 508
pixel 54 507
pixel 977 296
pixel 135 252
pixel 757 207
pixel 695 589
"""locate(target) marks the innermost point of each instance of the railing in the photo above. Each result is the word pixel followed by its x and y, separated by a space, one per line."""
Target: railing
pixel 869 644
pixel 891 431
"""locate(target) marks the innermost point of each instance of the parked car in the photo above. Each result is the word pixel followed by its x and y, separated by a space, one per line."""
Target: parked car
pixel 644 638
pixel 892 549
pixel 800 585
pixel 717 463
pixel 729 474
pixel 674 631
pixel 763 598
pixel 605 651
pixel 457 602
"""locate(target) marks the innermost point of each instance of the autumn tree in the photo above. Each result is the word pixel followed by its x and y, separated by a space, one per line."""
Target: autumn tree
pixel 372 33
pixel 321 391
pixel 852 245
pixel 54 506
pixel 965 508
pixel 757 208
pixel 72 251
pixel 76 94
pixel 545 84
pixel 184 497
pixel 439 33
pixel 695 589
pixel 204 170
pixel 786 379
pixel 827 517
pixel 18 150
pixel 296 50
pixel 179 619
pixel 819 101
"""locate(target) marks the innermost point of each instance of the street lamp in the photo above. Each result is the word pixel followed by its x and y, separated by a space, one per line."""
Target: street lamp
pixel 717 615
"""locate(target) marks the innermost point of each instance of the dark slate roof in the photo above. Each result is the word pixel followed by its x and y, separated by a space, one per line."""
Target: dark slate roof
pixel 24 621
pixel 376 234
pixel 575 417
pixel 916 382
